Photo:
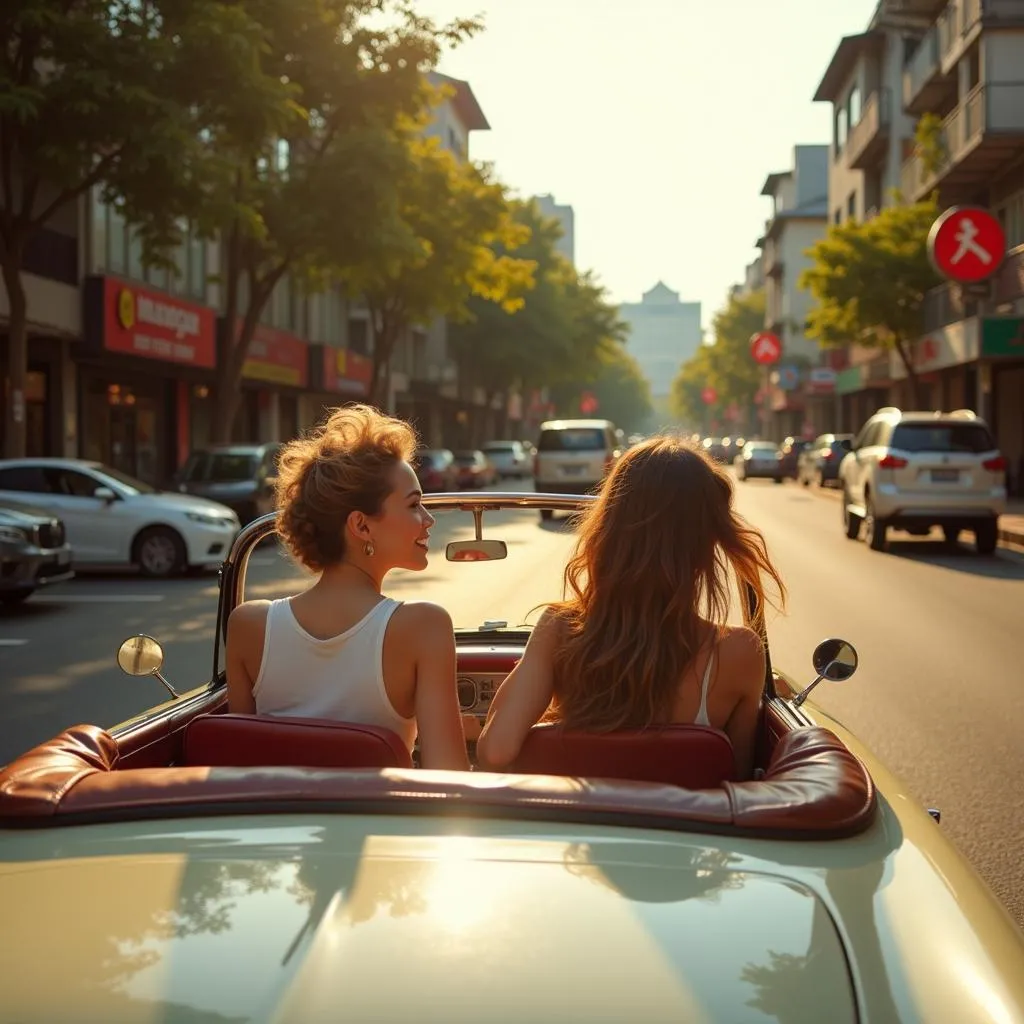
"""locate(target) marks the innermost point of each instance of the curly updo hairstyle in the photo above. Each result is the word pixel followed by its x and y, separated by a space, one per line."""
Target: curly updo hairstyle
pixel 343 466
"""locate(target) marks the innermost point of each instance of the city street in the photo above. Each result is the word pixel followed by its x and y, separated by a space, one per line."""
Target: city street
pixel 937 695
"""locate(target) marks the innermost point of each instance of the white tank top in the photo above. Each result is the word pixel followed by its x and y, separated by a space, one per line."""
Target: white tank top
pixel 340 678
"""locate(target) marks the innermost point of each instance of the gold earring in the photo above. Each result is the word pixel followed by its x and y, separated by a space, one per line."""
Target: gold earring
pixel 368 549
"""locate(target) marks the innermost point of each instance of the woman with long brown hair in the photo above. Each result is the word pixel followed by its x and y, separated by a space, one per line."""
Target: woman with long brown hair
pixel 642 638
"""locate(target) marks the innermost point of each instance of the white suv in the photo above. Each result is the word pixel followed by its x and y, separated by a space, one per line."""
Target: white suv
pixel 915 470
pixel 573 456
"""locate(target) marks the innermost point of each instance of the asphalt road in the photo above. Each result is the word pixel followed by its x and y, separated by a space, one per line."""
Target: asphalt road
pixel 937 696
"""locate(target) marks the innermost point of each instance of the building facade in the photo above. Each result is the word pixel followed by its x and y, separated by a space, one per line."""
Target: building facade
pixel 664 333
pixel 566 217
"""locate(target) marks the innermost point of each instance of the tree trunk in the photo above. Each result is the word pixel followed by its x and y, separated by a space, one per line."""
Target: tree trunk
pixel 17 352
pixel 229 368
pixel 912 379
pixel 384 334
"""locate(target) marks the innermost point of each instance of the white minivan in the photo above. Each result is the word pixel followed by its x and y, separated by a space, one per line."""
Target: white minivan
pixel 574 456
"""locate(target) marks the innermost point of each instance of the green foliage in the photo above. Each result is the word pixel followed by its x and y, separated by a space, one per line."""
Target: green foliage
pixel 930 143
pixel 453 237
pixel 870 280
pixel 726 364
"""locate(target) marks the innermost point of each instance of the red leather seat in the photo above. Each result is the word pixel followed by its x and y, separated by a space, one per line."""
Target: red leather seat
pixel 242 741
pixel 690 756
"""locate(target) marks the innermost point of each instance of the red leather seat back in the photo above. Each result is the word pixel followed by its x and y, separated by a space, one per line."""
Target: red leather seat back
pixel 242 741
pixel 690 756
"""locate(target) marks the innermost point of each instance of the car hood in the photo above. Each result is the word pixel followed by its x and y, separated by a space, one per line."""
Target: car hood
pixel 284 921
pixel 14 513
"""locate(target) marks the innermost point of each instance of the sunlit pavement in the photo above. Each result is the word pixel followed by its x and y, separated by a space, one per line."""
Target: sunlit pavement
pixel 937 696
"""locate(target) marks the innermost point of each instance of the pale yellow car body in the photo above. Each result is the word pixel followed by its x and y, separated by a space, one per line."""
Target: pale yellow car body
pixel 330 917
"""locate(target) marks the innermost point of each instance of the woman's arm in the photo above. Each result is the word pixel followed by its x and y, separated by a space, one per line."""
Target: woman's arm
pixel 438 715
pixel 522 698
pixel 247 626
pixel 742 663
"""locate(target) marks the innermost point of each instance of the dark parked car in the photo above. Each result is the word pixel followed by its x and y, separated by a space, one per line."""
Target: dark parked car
pixel 819 461
pixel 436 470
pixel 474 470
pixel 240 476
pixel 34 551
pixel 791 449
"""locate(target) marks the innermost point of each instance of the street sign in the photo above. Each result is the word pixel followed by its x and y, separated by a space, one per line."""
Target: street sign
pixel 588 403
pixel 788 378
pixel 709 396
pixel 765 347
pixel 966 244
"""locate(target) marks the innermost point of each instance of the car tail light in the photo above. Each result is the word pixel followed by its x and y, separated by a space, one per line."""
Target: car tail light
pixel 828 454
pixel 892 462
pixel 996 465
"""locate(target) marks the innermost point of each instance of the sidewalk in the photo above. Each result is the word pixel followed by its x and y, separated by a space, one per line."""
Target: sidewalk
pixel 1011 525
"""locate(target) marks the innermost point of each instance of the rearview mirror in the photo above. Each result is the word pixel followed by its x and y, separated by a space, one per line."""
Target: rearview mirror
pixel 476 551
pixel 143 656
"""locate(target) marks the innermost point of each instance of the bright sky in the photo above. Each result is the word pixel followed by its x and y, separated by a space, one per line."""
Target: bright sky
pixel 656 120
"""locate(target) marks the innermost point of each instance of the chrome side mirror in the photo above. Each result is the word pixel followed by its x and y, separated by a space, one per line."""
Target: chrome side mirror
pixel 833 659
pixel 476 551
pixel 143 656
pixel 105 494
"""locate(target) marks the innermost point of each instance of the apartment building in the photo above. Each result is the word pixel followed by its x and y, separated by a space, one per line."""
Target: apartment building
pixel 122 356
pixel 664 333
pixel 566 217
pixel 963 64
pixel 799 218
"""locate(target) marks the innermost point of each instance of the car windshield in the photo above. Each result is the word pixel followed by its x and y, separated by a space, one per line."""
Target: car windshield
pixel 762 446
pixel 572 439
pixel 501 449
pixel 127 483
pixel 970 438
pixel 220 467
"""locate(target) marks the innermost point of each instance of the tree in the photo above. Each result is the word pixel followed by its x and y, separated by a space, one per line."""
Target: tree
pixel 320 196
pixel 555 337
pixel 109 94
pixel 726 364
pixel 616 382
pixel 453 241
pixel 870 280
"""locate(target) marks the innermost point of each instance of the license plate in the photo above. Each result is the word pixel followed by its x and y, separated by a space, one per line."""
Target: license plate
pixel 945 476
pixel 572 470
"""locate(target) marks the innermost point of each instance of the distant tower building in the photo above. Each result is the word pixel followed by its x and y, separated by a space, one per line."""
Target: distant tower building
pixel 664 334
pixel 565 216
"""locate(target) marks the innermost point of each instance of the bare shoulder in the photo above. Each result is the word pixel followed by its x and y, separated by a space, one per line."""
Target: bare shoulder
pixel 741 651
pixel 248 617
pixel 425 615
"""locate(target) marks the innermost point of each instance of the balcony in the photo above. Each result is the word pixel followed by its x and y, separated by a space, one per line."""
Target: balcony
pixel 923 81
pixel 869 137
pixel 978 139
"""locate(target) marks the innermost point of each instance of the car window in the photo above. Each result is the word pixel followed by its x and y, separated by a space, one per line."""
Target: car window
pixel 943 437
pixel 71 483
pixel 504 449
pixel 29 479
pixel 573 439
pixel 842 444
pixel 231 467
pixel 126 481
pixel 196 467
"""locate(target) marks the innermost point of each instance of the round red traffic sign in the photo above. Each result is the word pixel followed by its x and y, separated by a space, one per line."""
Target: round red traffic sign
pixel 765 347
pixel 966 244
pixel 709 396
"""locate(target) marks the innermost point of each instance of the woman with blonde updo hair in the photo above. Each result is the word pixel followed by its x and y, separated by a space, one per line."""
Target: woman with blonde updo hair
pixel 350 508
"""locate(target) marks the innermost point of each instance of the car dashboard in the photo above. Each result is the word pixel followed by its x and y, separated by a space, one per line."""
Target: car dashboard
pixel 483 659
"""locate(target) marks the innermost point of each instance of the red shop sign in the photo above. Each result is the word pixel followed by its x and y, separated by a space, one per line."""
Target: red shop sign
pixel 276 357
pixel 152 324
pixel 346 371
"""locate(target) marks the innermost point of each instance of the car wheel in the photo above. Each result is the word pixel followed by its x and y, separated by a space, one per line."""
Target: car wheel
pixel 876 532
pixel 12 597
pixel 778 479
pixel 159 552
pixel 804 479
pixel 986 537
pixel 851 522
pixel 546 514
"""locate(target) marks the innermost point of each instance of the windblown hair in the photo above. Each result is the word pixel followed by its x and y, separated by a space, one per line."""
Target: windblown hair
pixel 342 467
pixel 651 563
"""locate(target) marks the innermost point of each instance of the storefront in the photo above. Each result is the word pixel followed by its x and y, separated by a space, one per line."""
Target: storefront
pixel 145 353
pixel 41 396
pixel 338 376
pixel 1002 342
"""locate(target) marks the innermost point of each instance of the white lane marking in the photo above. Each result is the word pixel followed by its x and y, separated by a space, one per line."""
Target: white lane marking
pixel 13 643
pixel 99 599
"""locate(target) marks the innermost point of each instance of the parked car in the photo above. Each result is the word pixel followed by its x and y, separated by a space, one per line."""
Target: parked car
pixel 436 470
pixel 473 469
pixel 34 551
pixel 509 458
pixel 114 519
pixel 240 476
pixel 574 456
pixel 791 448
pixel 915 470
pixel 759 459
pixel 718 450
pixel 819 462
pixel 612 877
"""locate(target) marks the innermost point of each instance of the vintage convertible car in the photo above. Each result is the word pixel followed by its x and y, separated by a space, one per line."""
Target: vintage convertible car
pixel 196 866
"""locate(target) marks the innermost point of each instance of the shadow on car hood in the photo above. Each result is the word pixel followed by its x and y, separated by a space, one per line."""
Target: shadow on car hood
pixel 277 920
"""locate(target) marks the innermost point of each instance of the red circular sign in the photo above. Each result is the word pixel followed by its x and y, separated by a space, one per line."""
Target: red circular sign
pixel 966 244
pixel 709 396
pixel 765 347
